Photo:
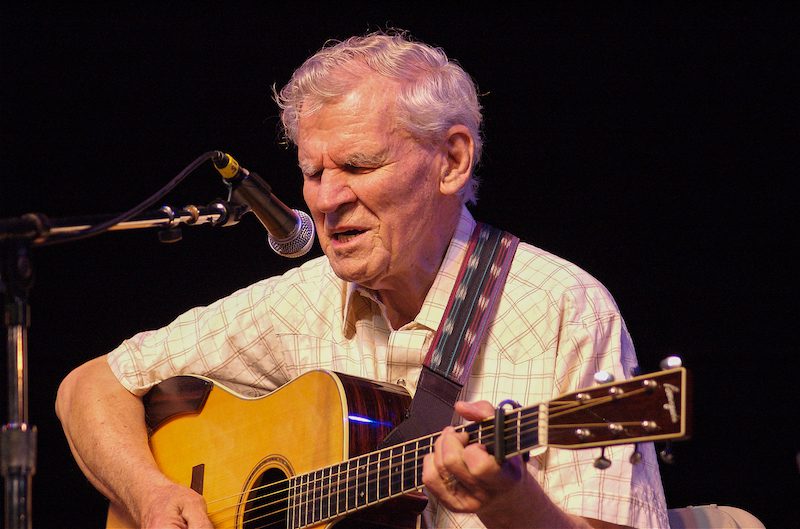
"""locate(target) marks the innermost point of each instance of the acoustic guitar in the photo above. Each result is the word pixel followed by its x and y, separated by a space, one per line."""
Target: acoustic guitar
pixel 305 455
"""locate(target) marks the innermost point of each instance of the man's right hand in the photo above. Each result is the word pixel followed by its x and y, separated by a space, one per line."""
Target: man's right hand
pixel 174 506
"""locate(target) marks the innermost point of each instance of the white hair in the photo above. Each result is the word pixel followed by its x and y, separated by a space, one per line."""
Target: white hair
pixel 434 94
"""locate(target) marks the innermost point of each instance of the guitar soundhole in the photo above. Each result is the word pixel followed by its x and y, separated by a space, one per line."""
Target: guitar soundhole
pixel 267 501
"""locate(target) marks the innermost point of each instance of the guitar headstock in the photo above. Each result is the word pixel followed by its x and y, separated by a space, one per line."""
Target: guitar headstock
pixel 652 407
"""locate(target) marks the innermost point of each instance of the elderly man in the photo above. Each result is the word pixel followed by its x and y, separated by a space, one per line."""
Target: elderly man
pixel 388 135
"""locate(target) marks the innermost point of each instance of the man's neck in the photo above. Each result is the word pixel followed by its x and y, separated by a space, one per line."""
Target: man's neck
pixel 402 307
pixel 403 299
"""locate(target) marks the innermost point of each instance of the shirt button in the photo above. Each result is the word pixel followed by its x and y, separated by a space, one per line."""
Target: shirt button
pixel 401 382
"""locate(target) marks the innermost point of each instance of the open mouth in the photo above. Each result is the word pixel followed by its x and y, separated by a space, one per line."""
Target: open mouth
pixel 346 236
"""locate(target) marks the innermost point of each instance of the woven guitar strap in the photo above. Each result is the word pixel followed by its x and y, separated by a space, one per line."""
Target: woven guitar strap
pixel 460 335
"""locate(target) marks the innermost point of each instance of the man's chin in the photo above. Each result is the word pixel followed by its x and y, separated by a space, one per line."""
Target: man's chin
pixel 359 279
pixel 367 268
pixel 355 272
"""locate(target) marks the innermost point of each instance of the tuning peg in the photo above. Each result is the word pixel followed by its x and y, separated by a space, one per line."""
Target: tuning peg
pixel 636 456
pixel 671 362
pixel 603 377
pixel 666 455
pixel 602 462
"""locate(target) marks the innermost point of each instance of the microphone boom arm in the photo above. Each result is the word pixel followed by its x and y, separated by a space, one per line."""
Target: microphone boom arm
pixel 39 229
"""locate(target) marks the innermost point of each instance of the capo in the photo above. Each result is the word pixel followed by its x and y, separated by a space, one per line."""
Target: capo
pixel 499 430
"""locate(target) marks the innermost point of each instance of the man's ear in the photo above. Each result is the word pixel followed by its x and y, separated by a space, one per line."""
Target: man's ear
pixel 459 151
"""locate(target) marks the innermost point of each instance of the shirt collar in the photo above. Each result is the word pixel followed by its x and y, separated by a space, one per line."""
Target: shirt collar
pixel 432 311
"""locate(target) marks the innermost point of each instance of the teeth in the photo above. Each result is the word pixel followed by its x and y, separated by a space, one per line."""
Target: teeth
pixel 345 236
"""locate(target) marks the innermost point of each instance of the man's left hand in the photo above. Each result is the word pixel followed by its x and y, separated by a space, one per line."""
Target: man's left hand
pixel 466 478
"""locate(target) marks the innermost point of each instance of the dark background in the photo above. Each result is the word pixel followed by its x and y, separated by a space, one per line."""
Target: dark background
pixel 651 143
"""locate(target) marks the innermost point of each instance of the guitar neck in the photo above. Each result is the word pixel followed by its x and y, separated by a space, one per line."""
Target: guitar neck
pixel 599 416
pixel 373 478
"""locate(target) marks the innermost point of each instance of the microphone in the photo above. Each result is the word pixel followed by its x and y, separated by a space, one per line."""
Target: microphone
pixel 290 232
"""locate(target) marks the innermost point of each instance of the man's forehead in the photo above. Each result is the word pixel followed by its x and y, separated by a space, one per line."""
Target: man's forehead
pixel 348 145
pixel 360 126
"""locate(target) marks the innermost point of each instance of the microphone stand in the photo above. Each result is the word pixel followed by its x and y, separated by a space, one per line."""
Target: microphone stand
pixel 18 441
pixel 17 236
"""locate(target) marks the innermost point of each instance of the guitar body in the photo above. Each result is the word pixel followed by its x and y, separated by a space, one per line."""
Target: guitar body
pixel 229 448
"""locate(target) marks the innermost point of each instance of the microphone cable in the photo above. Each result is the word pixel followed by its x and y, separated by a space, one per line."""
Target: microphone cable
pixel 122 217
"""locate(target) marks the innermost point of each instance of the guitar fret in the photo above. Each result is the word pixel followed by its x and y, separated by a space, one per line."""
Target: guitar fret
pixel 333 503
pixel 409 466
pixel 290 510
pixel 510 438
pixel 312 491
pixel 384 467
pixel 317 514
pixel 362 481
pixel 341 488
pixel 418 460
pixel 473 433
pixel 360 495
pixel 397 461
pixel 325 510
pixel 298 498
pixel 403 467
pixel 319 494
pixel 482 427
pixel 373 478
pixel 530 433
pixel 324 493
pixel 307 500
pixel 301 504
pixel 369 490
pixel 351 486
pixel 333 492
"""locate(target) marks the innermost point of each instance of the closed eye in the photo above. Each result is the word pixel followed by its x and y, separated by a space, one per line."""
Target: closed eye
pixel 357 169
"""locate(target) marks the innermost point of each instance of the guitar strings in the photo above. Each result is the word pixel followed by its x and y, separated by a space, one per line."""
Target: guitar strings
pixel 557 408
pixel 413 456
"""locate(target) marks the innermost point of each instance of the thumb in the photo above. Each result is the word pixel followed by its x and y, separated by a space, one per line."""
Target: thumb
pixel 197 519
pixel 474 411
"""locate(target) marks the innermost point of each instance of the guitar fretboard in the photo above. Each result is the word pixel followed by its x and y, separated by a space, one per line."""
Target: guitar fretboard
pixel 372 478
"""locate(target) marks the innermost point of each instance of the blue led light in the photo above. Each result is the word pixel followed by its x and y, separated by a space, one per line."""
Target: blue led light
pixel 367 420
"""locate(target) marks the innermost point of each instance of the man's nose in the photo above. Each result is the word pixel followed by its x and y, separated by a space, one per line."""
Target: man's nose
pixel 334 191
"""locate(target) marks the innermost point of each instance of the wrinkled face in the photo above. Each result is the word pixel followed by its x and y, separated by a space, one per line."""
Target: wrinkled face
pixel 372 189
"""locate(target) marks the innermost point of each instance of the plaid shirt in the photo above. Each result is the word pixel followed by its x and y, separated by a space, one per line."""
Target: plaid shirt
pixel 554 327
